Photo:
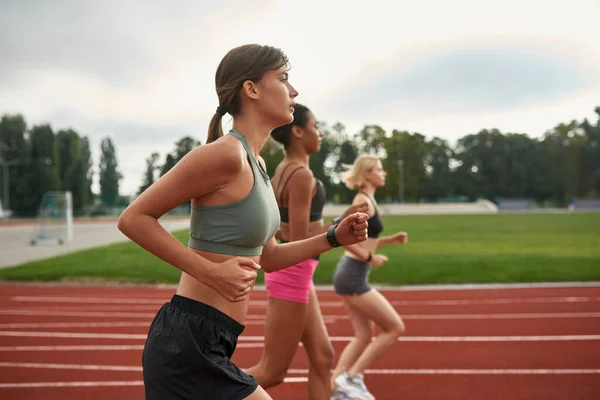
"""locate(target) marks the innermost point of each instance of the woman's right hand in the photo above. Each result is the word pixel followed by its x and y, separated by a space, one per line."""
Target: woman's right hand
pixel 233 279
pixel 378 260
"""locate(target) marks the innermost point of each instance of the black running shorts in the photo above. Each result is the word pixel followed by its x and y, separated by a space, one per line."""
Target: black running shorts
pixel 187 354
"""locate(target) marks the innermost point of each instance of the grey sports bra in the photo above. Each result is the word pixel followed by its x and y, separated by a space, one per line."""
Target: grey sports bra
pixel 241 228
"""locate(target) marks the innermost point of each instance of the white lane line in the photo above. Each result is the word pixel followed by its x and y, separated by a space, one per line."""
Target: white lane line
pixel 258 319
pixel 75 325
pixel 293 379
pixel 68 384
pixel 547 338
pixel 168 289
pixel 330 318
pixel 84 307
pixel 71 366
pixel 132 336
pixel 81 335
pixel 494 371
pixel 107 324
pixel 78 299
pixel 471 286
pixel 73 348
pixel 468 371
pixel 504 316
pixel 98 347
pixel 472 302
pixel 335 303
pixel 26 385
pixel 55 313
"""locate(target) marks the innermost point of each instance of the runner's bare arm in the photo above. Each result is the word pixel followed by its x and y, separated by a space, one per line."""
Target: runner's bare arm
pixel 192 177
pixel 300 189
pixel 352 229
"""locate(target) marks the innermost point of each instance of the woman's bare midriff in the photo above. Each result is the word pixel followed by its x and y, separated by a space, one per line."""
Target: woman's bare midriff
pixel 191 288
pixel 369 245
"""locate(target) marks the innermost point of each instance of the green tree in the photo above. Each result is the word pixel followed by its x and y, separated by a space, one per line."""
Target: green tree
pixel 182 147
pixel 481 165
pixel 439 176
pixel 109 173
pixel 520 166
pixel 149 175
pixel 14 151
pixel 87 170
pixel 591 152
pixel 319 162
pixel 169 163
pixel 371 140
pixel 409 178
pixel 44 163
pixel 570 175
pixel 73 168
pixel 345 152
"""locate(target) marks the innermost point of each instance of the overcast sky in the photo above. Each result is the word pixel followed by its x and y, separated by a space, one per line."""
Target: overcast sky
pixel 143 71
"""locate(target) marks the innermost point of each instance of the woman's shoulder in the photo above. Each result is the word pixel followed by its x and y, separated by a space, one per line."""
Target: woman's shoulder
pixel 225 154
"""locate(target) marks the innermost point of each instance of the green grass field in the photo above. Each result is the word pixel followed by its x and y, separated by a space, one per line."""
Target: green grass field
pixel 441 249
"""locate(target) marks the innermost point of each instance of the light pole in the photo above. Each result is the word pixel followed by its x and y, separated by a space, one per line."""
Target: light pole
pixel 401 176
pixel 6 193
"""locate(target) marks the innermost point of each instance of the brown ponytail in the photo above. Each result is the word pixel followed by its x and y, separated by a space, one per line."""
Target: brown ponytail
pixel 215 130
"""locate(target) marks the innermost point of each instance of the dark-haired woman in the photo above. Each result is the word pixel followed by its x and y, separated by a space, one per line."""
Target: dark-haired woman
pixel 233 219
pixel 293 312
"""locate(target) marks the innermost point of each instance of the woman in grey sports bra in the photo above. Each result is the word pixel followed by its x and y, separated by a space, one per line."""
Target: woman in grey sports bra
pixel 234 216
pixel 365 305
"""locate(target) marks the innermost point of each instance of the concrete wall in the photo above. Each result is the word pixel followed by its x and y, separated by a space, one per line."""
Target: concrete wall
pixel 478 207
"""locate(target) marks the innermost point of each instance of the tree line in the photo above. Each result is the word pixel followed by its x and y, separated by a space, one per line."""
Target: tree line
pixel 563 163
pixel 37 160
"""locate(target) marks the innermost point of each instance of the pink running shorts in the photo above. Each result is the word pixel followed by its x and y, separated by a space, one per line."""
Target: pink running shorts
pixel 292 283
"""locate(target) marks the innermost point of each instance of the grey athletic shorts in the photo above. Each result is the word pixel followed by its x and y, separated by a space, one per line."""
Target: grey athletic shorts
pixel 350 276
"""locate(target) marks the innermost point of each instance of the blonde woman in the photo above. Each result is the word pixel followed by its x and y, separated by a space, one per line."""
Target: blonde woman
pixel 365 305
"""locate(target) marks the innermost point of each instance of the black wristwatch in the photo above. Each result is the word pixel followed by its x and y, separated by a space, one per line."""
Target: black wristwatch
pixel 337 220
pixel 331 236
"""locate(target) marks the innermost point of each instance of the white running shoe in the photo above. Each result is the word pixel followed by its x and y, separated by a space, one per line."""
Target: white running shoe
pixel 337 394
pixel 360 379
pixel 353 387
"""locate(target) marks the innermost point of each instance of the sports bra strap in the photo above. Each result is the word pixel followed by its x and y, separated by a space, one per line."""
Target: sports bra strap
pixel 253 160
pixel 286 181
pixel 371 200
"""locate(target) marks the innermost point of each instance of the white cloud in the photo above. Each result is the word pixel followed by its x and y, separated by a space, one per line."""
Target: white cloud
pixel 148 68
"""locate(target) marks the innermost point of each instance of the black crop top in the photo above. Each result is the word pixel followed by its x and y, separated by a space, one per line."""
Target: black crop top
pixel 375 223
pixel 316 205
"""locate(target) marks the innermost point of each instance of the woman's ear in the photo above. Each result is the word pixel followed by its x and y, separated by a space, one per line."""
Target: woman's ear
pixel 297 131
pixel 250 90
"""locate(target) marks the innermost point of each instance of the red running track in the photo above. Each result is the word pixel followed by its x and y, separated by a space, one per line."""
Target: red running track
pixel 74 342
